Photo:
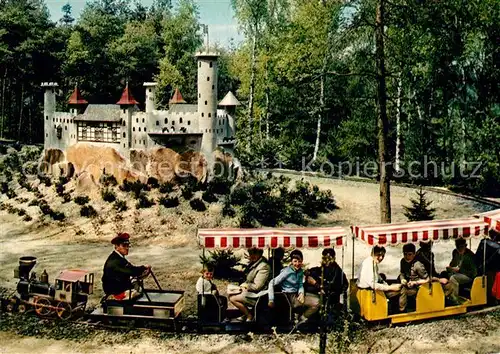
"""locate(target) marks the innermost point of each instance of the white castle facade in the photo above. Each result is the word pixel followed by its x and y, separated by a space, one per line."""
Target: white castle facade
pixel 199 127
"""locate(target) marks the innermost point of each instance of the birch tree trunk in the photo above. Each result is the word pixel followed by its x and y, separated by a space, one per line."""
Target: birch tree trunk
pixel 20 112
pixel 398 126
pixel 253 68
pixel 383 122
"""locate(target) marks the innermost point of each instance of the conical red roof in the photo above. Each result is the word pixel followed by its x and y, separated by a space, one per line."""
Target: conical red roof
pixel 127 97
pixel 76 97
pixel 177 97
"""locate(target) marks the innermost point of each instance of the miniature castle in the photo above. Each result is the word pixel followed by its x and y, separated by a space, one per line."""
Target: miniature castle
pixel 197 127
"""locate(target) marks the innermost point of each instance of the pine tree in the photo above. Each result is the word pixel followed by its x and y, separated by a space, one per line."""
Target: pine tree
pixel 420 208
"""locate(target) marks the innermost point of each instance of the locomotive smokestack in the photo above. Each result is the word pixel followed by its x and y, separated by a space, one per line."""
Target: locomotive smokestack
pixel 26 264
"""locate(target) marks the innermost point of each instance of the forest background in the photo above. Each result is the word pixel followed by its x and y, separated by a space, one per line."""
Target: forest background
pixel 306 73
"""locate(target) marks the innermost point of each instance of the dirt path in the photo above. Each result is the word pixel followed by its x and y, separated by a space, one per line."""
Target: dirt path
pixel 59 246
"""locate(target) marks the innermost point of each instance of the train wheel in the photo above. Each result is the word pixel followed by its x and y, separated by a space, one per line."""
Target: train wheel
pixel 11 306
pixel 22 308
pixel 63 310
pixel 43 306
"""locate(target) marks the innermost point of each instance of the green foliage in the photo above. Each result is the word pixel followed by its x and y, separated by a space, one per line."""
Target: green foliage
pixel 82 199
pixel 144 202
pixel 209 196
pixel 120 205
pixel 223 262
pixel 136 187
pixel 166 187
pixel 66 197
pixel 153 182
pixel 197 204
pixel 88 211
pixel 187 192
pixel 168 202
pixel 420 208
pixel 108 195
pixel 108 180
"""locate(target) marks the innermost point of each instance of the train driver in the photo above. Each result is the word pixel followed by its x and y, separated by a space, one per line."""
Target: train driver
pixel 118 271
pixel 369 276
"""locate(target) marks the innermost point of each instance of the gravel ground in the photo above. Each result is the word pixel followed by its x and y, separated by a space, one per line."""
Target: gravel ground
pixel 166 239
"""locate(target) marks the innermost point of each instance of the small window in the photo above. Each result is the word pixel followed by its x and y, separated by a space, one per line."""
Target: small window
pixel 139 128
pixel 124 135
pixel 211 64
pixel 46 135
pixel 173 122
pixel 199 95
pixel 133 129
pixel 124 145
pixel 135 141
pixel 206 130
pixel 208 78
pixel 149 90
pixel 206 102
pixel 166 120
pixel 213 87
pixel 129 144
pixel 209 115
pixel 180 120
pixel 65 127
pixel 137 120
pixel 189 122
pixel 144 128
pixel 157 122
pixel 143 120
pixel 203 114
pixel 124 111
pixel 46 117
pixel 199 64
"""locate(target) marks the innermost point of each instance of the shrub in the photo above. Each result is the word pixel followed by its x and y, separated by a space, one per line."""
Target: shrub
pixel 4 187
pixel 63 180
pixel 11 194
pixel 420 208
pixel 169 202
pixel 21 200
pixel 66 197
pixel 82 200
pixel 120 205
pixel 60 189
pixel 144 202
pixel 166 187
pixel 228 211
pixel 220 185
pixel 223 262
pixel 126 186
pixel 37 193
pixel 240 195
pixel 187 193
pixel 108 180
pixel 56 215
pixel 108 195
pixel 45 180
pixel 27 218
pixel 21 212
pixel 197 204
pixel 209 197
pixel 153 182
pixel 88 211
pixel 45 209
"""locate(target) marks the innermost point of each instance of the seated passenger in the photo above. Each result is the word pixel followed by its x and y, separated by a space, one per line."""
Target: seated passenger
pixel 369 276
pixel 204 285
pixel 426 257
pixel 257 274
pixel 413 274
pixel 291 280
pixel 117 274
pixel 334 281
pixel 462 269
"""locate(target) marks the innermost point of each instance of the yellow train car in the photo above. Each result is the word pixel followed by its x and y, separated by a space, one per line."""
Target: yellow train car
pixel 373 305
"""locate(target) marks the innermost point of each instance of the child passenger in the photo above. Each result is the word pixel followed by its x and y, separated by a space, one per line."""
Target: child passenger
pixel 204 284
pixel 291 279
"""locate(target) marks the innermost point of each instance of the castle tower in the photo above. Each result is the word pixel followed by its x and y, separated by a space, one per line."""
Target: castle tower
pixel 229 102
pixel 150 96
pixel 207 102
pixel 49 109
pixel 76 102
pixel 127 103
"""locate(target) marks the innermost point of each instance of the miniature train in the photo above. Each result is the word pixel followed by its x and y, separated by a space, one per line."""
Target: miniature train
pixel 65 298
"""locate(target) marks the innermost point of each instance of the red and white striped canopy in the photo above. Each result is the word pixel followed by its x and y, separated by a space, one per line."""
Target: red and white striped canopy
pixel 492 218
pixel 272 238
pixel 400 233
